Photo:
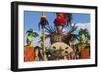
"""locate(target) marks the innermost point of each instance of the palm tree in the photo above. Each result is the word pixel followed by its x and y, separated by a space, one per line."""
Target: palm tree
pixel 43 22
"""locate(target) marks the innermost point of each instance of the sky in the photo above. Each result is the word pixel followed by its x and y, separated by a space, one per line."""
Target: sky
pixel 32 18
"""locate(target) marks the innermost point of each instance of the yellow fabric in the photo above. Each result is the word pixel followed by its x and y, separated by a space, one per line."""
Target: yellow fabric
pixel 43 16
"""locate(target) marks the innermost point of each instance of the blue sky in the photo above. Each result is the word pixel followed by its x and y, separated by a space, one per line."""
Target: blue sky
pixel 32 18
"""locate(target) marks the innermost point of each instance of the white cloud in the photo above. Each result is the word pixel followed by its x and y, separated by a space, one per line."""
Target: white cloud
pixel 83 26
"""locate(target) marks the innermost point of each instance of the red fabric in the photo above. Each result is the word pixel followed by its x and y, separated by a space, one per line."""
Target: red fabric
pixel 85 53
pixel 60 20
pixel 29 54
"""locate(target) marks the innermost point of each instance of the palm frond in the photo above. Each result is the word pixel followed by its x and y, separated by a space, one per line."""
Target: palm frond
pixel 73 29
pixel 51 29
pixel 48 29
pixel 74 36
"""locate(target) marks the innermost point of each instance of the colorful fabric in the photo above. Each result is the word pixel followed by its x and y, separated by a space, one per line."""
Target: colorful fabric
pixel 60 21
pixel 29 54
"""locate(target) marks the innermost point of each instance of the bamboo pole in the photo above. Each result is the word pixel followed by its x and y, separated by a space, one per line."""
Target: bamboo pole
pixel 44 42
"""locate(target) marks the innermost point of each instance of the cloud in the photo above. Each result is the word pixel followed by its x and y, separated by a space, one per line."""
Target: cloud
pixel 83 26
